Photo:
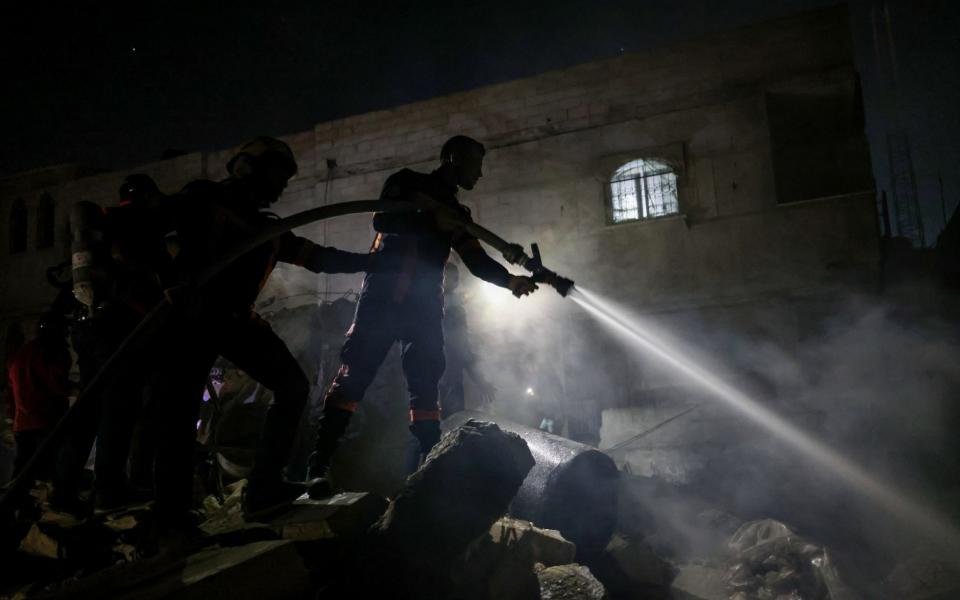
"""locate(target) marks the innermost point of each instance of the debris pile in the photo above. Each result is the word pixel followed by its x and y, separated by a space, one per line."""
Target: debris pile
pixel 444 535
pixel 771 561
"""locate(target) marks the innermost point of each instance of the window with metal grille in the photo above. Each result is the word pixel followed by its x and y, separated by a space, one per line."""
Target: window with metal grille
pixel 643 189
pixel 46 221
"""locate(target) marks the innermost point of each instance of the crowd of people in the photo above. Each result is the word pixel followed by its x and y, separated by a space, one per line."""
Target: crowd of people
pixel 149 249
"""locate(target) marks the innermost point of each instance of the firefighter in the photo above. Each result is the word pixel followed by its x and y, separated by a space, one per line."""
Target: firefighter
pixel 402 298
pixel 219 320
pixel 120 269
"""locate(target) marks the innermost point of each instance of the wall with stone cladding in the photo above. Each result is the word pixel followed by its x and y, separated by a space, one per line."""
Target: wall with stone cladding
pixel 553 140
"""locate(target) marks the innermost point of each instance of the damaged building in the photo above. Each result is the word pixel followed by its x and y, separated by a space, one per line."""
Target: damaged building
pixel 718 189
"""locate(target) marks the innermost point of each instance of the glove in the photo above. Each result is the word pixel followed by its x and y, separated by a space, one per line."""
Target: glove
pixel 521 286
pixel 514 254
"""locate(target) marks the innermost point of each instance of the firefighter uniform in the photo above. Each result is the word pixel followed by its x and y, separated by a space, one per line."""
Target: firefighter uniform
pixel 212 218
pixel 402 301
pixel 131 268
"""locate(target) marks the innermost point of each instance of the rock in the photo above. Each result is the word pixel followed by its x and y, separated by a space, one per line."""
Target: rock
pixel 123 523
pixel 533 544
pixel 771 561
pixel 569 582
pixel 491 570
pixel 572 487
pixel 463 487
pixel 59 519
pixel 500 565
pixel 345 515
pixel 37 543
pixel 629 566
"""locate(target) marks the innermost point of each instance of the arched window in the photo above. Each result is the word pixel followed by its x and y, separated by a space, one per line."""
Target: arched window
pixel 643 189
pixel 17 227
pixel 46 220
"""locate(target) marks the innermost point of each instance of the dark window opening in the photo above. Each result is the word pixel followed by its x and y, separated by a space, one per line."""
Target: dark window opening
pixel 17 227
pixel 819 148
pixel 46 221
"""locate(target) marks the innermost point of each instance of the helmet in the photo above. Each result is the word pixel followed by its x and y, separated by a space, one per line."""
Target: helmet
pixel 263 146
pixel 137 187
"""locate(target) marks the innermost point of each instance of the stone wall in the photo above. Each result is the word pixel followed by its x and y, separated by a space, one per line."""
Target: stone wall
pixel 734 260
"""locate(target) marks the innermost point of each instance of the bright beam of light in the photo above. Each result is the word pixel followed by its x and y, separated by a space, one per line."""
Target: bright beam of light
pixel 912 512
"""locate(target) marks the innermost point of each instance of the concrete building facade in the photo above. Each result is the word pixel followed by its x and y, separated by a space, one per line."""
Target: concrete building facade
pixel 776 222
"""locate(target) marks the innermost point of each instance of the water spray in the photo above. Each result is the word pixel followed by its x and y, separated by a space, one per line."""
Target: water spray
pixel 910 511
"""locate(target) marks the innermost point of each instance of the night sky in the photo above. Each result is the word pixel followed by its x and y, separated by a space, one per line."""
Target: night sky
pixel 115 88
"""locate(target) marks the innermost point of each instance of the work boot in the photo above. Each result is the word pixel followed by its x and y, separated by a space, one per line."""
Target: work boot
pixel 427 433
pixel 261 497
pixel 318 481
pixel 333 423
pixel 70 502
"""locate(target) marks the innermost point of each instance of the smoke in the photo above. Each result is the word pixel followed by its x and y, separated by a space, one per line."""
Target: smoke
pixel 875 381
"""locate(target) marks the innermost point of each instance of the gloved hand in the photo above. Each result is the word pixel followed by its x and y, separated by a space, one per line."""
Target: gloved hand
pixel 514 254
pixel 521 286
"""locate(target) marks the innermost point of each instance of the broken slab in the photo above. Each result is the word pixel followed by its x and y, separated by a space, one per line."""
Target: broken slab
pixel 500 565
pixel 533 544
pixel 344 515
pixel 569 582
pixel 38 543
pixel 572 487
pixel 463 487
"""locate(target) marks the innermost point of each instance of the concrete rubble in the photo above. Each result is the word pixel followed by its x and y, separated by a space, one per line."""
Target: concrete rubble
pixel 502 564
pixel 447 527
pixel 569 582
pixel 463 487
pixel 446 534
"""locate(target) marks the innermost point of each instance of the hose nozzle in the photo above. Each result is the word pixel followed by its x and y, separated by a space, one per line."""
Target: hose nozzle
pixel 542 274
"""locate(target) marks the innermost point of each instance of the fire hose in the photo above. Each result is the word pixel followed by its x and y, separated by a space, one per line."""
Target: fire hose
pixel 154 320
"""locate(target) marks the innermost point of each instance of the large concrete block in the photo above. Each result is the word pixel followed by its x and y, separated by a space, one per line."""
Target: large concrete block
pixel 466 483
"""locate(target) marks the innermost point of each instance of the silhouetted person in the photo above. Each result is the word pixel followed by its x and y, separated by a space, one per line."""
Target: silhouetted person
pixel 402 298
pixel 41 387
pixel 121 267
pixel 211 219
pixel 8 447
